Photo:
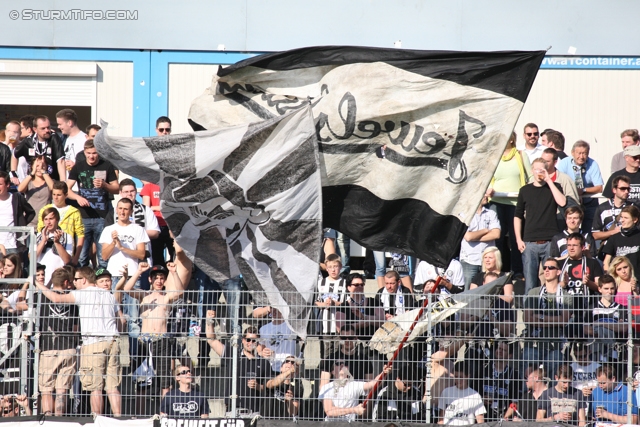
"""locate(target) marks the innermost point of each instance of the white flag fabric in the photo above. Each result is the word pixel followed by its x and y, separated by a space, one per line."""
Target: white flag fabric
pixel 409 140
pixel 240 200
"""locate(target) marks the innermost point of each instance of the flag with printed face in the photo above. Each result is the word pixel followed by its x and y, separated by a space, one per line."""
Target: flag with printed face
pixel 240 200
pixel 409 140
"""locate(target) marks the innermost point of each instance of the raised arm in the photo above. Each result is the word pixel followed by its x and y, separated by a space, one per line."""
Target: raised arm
pixel 214 343
pixel 56 297
pixel 173 284
pixel 128 287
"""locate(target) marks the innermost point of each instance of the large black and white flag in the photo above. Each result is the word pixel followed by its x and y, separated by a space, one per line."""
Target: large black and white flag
pixel 409 140
pixel 240 200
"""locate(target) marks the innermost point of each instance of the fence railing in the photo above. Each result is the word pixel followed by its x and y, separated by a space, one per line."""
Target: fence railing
pixel 484 364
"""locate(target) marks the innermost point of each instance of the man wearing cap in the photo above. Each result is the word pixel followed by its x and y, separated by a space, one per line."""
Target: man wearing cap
pixel 632 160
pixel 100 322
pixel 155 308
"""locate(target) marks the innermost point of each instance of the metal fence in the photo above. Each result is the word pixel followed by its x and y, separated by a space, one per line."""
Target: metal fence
pixel 210 359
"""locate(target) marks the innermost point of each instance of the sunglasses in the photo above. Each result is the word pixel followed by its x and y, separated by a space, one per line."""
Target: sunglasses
pixel 348 338
pixel 358 285
pixel 188 371
pixel 76 278
pixel 549 267
pixel 251 340
pixel 293 362
pixel 533 133
pixel 164 130
pixel 624 188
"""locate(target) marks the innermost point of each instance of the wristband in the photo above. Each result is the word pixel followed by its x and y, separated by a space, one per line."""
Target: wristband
pixel 13 174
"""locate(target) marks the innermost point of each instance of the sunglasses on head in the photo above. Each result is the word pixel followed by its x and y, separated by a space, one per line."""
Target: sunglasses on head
pixel 533 133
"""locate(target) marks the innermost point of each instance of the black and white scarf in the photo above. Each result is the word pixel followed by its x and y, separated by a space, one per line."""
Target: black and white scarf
pixel 139 214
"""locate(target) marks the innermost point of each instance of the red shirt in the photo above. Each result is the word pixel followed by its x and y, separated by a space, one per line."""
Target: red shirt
pixel 153 191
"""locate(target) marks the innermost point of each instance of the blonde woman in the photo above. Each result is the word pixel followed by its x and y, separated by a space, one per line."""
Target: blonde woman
pixel 492 263
pixel 622 270
pixel 513 172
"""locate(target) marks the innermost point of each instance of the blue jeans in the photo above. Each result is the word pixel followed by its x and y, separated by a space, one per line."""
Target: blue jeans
pixel 92 230
pixel 344 250
pixel 129 309
pixel 209 293
pixel 469 270
pixel 381 263
pixel 534 254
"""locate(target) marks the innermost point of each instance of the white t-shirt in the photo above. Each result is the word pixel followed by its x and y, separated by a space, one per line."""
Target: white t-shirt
pixel 281 340
pixel 74 145
pixel 50 259
pixel 6 220
pixel 584 376
pixel 13 303
pixel 460 406
pixel 129 236
pixel 343 397
pixel 453 273
pixel 98 311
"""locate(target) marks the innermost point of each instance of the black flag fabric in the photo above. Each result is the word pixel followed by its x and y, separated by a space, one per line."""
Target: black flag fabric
pixel 408 140
pixel 240 200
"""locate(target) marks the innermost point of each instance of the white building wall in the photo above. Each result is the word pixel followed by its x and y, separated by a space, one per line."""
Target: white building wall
pixel 593 105
pixel 115 97
pixel 186 82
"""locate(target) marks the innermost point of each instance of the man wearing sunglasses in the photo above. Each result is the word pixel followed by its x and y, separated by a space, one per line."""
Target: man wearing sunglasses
pixel 286 390
pixel 163 126
pixel 547 309
pixel 531 145
pixel 631 170
pixel 183 401
pixel 253 370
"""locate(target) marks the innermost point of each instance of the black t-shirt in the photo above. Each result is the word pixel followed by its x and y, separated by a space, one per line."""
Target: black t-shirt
pixel 528 407
pixel 59 325
pixel 478 278
pixel 554 402
pixel 258 369
pixel 368 309
pixel 98 198
pixel 634 192
pixel 501 312
pixel 178 404
pixel 577 270
pixel 358 363
pixel 502 388
pixel 540 208
pixel 394 405
pixel 621 245
pixel 276 405
pixel 53 150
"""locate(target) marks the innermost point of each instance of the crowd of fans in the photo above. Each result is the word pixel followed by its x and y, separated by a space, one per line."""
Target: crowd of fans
pixel 126 325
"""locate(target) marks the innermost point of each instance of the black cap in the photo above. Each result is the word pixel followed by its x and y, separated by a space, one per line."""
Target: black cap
pixel 157 269
pixel 103 272
pixel 40 267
